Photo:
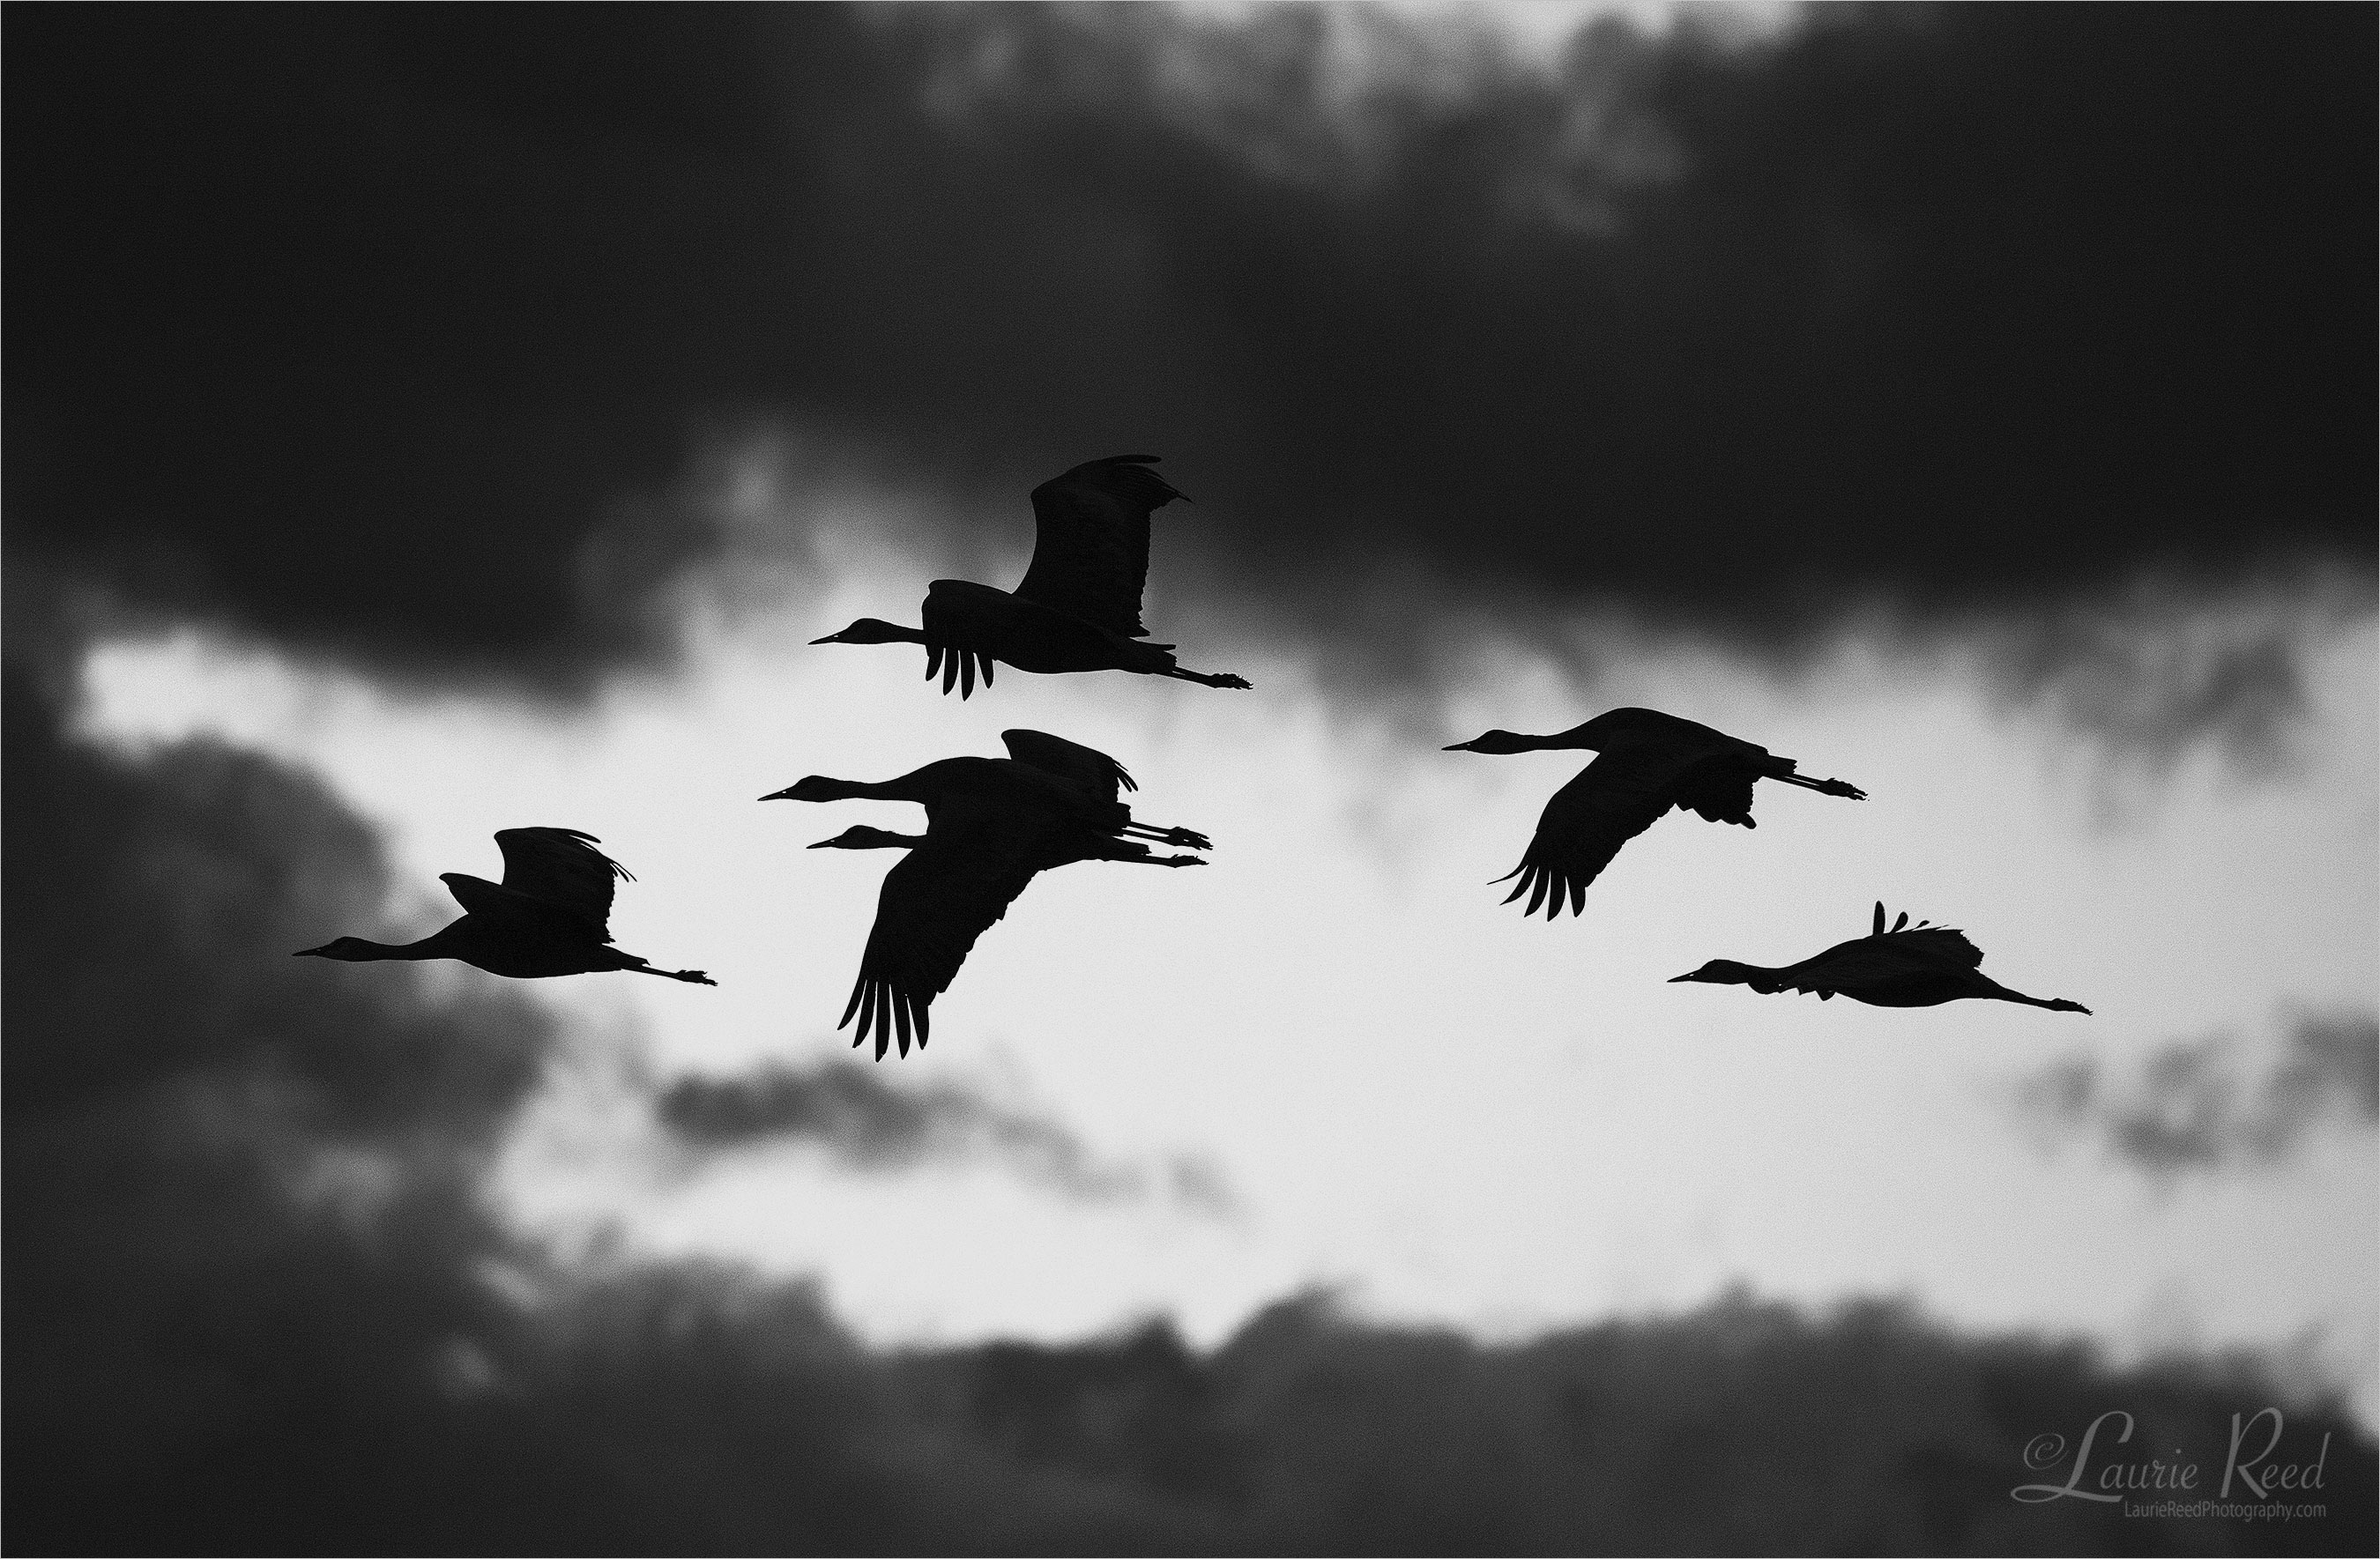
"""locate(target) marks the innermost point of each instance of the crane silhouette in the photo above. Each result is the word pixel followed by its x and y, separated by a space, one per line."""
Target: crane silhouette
pixel 1077 607
pixel 1647 763
pixel 1923 965
pixel 547 917
pixel 991 826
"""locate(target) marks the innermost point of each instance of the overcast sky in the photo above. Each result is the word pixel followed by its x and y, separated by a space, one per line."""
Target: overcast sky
pixel 424 422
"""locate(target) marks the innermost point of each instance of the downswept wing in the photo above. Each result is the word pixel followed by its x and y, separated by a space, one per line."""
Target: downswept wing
pixel 1087 766
pixel 932 906
pixel 561 868
pixel 1615 798
pixel 1090 541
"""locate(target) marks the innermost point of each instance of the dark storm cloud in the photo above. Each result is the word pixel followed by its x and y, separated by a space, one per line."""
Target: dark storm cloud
pixel 384 332
pixel 240 1220
pixel 2189 1106
pixel 876 1125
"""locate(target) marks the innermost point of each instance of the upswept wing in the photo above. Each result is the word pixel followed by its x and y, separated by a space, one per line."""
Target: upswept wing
pixel 1615 798
pixel 562 868
pixel 1087 766
pixel 1090 542
pixel 1926 939
pixel 932 906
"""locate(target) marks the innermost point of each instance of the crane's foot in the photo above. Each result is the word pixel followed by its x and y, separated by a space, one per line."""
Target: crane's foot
pixel 1209 678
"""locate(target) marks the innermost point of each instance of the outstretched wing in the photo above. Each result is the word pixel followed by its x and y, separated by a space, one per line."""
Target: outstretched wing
pixel 1881 960
pixel 1615 798
pixel 1091 540
pixel 561 867
pixel 932 906
pixel 1087 766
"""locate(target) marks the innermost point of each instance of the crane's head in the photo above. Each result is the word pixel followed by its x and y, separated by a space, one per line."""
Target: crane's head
pixel 1722 971
pixel 871 629
pixel 346 949
pixel 813 787
pixel 861 837
pixel 1499 742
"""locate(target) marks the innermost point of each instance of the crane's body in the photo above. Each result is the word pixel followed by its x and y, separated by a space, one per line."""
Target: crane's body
pixel 1077 607
pixel 549 917
pixel 1649 762
pixel 991 826
pixel 1908 966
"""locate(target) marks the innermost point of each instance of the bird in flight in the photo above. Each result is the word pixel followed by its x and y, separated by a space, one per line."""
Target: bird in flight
pixel 1077 607
pixel 547 917
pixel 1647 763
pixel 992 825
pixel 1922 965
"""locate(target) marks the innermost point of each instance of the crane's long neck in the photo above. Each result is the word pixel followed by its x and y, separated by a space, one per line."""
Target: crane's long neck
pixel 1727 972
pixel 363 949
pixel 829 789
pixel 1576 738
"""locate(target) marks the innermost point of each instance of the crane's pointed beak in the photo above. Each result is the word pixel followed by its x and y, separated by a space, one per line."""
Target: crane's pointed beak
pixel 786 794
pixel 829 639
pixel 1460 747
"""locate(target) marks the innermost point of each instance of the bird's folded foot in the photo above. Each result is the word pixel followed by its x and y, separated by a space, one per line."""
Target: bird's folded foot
pixel 1180 861
pixel 1207 678
pixel 1189 838
pixel 1841 788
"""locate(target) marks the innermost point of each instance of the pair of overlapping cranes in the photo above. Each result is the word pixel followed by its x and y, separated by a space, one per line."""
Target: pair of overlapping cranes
pixel 993 824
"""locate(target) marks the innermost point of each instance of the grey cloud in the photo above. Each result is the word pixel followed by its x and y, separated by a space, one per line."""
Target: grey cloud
pixel 2190 1106
pixel 2164 671
pixel 876 1125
